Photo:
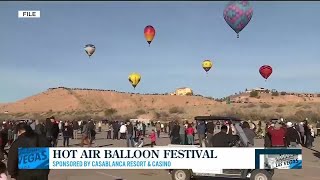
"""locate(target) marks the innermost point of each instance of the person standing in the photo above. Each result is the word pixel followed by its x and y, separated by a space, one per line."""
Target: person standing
pixel 201 130
pixel 158 129
pixel 75 126
pixel 210 131
pixel 312 136
pixel 130 131
pixel 139 129
pixel 66 133
pixel 55 132
pixel 10 135
pixel 115 128
pixel 182 133
pixel 144 127
pixel 91 128
pixel 153 138
pixel 175 136
pixel 108 129
pixel 48 130
pixel 302 133
pixel 165 127
pixel 39 128
pixel 123 130
pixel 292 136
pixel 307 133
pixel 190 135
pixel 84 132
pixel 99 126
pixel 4 141
pixel 277 134
pixel 60 125
pixel 250 134
pixel 26 139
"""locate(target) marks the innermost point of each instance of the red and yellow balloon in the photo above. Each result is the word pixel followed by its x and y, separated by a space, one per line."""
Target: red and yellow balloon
pixel 149 33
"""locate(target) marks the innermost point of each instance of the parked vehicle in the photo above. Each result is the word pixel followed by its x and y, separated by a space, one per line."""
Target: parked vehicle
pixel 242 141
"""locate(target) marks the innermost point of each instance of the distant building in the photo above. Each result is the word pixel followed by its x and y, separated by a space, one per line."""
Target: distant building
pixel 259 89
pixel 140 120
pixel 184 91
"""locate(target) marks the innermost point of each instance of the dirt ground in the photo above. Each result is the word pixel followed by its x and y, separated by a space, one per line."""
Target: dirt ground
pixel 310 171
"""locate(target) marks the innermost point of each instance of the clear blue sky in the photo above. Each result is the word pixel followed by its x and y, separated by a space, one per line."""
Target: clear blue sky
pixel 37 54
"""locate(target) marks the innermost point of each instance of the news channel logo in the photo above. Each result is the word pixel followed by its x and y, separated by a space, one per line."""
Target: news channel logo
pixel 278 159
pixel 33 158
pixel 27 14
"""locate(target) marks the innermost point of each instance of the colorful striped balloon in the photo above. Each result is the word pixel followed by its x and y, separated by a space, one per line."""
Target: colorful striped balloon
pixel 238 14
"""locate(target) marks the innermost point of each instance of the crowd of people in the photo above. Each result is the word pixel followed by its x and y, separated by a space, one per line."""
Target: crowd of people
pixel 276 134
pixel 15 134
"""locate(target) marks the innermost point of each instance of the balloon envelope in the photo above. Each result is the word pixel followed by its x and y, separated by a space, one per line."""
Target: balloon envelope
pixel 265 71
pixel 149 33
pixel 90 49
pixel 207 65
pixel 238 14
pixel 134 79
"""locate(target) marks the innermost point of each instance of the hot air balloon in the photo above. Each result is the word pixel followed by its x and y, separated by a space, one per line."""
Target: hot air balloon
pixel 207 65
pixel 149 33
pixel 238 14
pixel 265 71
pixel 90 49
pixel 134 79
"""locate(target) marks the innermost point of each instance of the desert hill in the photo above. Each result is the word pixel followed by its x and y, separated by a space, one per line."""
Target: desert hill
pixel 75 102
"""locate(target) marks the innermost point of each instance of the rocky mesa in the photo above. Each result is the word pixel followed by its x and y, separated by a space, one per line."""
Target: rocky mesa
pixel 76 102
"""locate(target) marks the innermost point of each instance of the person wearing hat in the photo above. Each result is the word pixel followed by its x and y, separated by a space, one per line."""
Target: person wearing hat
pixel 292 136
pixel 277 134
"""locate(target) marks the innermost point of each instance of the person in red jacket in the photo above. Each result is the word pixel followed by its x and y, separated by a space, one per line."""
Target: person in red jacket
pixel 153 138
pixel 277 134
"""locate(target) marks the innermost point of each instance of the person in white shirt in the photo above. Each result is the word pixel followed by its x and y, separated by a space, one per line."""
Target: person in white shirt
pixel 139 128
pixel 123 130
pixel 99 126
pixel 162 127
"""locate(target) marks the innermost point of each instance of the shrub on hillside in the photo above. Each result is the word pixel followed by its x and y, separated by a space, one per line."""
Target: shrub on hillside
pixel 156 115
pixel 140 112
pixel 281 105
pixel 301 115
pixel 264 106
pixel 110 112
pixel 283 93
pixel 254 94
pixel 306 107
pixel 298 105
pixel 318 95
pixel 176 110
pixel 251 106
pixel 279 110
pixel 159 115
pixel 275 93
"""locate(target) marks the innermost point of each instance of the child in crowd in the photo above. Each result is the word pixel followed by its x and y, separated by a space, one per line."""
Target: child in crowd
pixel 3 171
pixel 153 138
